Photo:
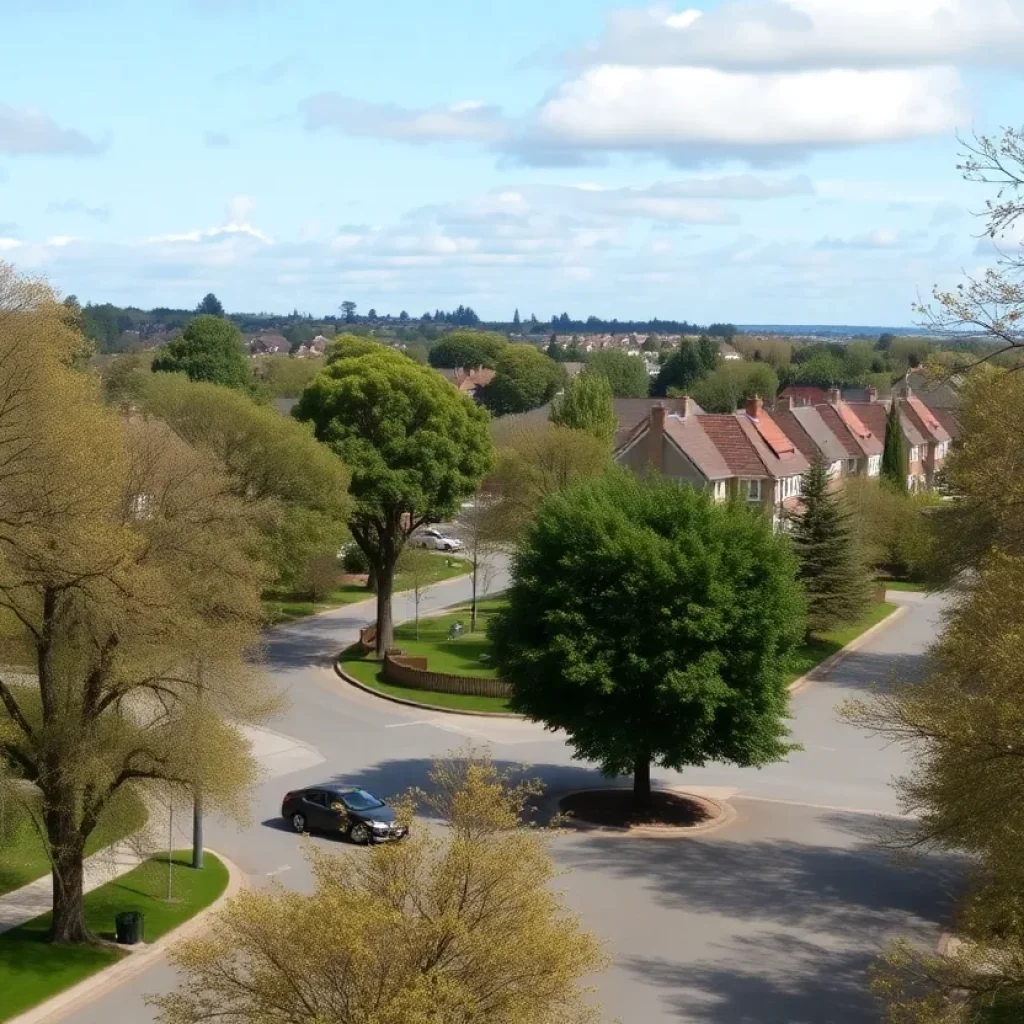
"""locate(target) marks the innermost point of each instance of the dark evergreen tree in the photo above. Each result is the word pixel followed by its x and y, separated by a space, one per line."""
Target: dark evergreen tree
pixel 894 454
pixel 833 569
pixel 516 320
pixel 211 306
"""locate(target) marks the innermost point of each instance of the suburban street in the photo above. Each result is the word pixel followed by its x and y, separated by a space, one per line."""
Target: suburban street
pixel 770 920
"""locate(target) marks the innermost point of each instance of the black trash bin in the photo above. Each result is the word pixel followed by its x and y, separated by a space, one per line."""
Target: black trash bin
pixel 128 927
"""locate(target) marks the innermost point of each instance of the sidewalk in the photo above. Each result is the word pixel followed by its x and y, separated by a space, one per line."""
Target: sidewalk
pixel 277 755
pixel 34 899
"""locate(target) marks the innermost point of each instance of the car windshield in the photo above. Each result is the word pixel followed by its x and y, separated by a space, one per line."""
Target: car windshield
pixel 360 800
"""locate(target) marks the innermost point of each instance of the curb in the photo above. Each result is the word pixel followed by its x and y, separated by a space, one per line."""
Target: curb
pixel 726 816
pixel 352 681
pixel 833 659
pixel 134 963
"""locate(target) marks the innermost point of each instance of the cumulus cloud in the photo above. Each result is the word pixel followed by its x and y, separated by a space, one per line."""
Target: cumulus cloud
pixel 26 130
pixel 468 121
pixel 765 35
pixel 238 211
pixel 76 206
pixel 687 113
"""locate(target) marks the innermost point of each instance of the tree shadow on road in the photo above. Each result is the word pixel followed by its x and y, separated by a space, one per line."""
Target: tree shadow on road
pixel 865 670
pixel 769 978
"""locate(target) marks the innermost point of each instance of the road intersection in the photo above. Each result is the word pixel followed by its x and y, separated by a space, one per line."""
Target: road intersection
pixel 771 920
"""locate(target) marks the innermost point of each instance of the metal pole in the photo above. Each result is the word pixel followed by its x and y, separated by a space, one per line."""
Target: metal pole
pixel 197 829
pixel 170 850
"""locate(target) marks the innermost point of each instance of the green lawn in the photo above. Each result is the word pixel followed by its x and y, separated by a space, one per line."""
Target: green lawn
pixel 281 608
pixel 22 857
pixel 904 585
pixel 817 650
pixel 31 970
pixel 459 657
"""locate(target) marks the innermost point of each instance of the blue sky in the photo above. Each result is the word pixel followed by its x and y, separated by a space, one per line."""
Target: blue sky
pixel 749 160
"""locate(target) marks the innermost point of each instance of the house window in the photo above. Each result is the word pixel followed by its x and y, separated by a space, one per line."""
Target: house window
pixel 943 448
pixel 915 453
pixel 851 467
pixel 874 465
pixel 721 491
pixel 835 469
pixel 753 490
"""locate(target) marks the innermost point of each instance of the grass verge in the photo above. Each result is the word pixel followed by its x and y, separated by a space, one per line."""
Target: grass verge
pixel 23 856
pixel 282 608
pixel 815 651
pixel 32 970
pixel 904 585
pixel 459 657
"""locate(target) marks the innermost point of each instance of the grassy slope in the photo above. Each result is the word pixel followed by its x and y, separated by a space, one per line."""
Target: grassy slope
pixel 23 858
pixel 817 650
pixel 281 608
pixel 31 970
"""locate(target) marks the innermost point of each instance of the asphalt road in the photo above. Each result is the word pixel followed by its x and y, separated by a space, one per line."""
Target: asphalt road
pixel 772 920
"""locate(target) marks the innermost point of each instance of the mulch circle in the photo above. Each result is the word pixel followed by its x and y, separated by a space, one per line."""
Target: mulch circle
pixel 614 808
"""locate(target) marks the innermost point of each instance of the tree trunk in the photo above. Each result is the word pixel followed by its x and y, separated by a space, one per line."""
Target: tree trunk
pixel 68 849
pixel 642 780
pixel 371 579
pixel 385 626
pixel 472 612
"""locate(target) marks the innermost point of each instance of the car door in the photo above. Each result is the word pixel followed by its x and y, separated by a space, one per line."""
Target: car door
pixel 314 807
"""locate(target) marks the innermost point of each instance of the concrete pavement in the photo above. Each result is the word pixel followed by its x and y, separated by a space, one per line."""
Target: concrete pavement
pixel 770 921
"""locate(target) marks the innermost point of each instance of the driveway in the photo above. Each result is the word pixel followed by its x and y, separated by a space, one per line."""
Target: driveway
pixel 772 920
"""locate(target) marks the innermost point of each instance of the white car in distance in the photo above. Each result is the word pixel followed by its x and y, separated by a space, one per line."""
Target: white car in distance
pixel 436 541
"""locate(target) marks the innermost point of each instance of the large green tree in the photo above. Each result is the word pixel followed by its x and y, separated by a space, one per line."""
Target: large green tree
pixel 626 374
pixel 525 378
pixel 299 485
pixel 415 447
pixel 832 568
pixel 681 370
pixel 894 453
pixel 586 404
pixel 209 349
pixel 210 305
pixel 726 387
pixel 467 350
pixel 652 625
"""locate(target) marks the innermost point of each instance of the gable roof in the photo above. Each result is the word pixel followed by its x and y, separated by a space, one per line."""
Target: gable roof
pixel 855 447
pixel 873 414
pixel 693 441
pixel 734 445
pixel 948 418
pixel 779 459
pixel 822 439
pixel 924 418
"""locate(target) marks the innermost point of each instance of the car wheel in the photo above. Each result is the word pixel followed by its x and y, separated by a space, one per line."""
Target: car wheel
pixel 359 834
pixel 299 822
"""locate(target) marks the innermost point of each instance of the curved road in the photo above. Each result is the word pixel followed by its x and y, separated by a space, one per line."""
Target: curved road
pixel 772 920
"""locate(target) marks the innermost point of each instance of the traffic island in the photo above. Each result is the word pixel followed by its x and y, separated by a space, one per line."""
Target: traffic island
pixel 667 814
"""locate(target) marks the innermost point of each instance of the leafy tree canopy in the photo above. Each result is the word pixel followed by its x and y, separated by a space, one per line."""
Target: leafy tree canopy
pixel 209 349
pixel 467 349
pixel 626 374
pixel 731 382
pixel 662 637
pixel 210 305
pixel 524 379
pixel 681 370
pixel 586 404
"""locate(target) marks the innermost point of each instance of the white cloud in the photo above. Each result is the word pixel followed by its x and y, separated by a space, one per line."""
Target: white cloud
pixel 762 35
pixel 238 211
pixel 684 110
pixel 26 130
pixel 467 121
pixel 9 243
pixel 878 238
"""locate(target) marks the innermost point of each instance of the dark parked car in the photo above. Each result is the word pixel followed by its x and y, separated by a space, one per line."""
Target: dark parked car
pixel 341 810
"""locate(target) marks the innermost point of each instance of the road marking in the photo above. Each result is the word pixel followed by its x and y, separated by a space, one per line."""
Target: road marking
pixel 279 871
pixel 405 725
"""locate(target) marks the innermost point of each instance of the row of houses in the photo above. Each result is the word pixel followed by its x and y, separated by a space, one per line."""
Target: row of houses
pixel 760 456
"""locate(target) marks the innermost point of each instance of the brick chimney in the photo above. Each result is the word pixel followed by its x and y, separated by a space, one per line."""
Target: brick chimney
pixel 656 439
pixel 834 395
pixel 688 407
pixel 754 406
pixel 872 394
pixel 784 404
